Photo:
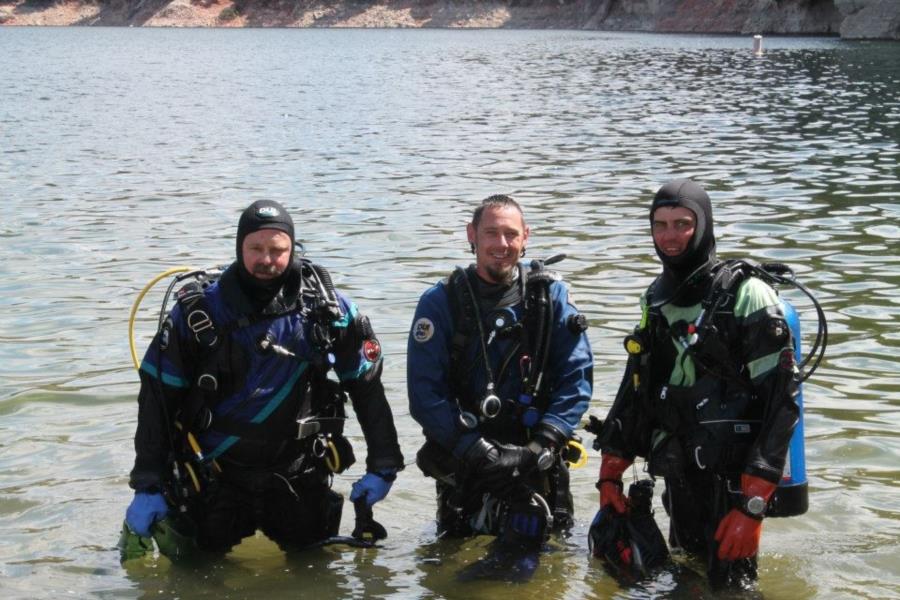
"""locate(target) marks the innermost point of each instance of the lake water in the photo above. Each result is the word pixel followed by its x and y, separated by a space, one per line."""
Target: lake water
pixel 124 152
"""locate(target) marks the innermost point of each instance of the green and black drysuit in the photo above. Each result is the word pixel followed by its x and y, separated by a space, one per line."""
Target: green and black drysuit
pixel 705 404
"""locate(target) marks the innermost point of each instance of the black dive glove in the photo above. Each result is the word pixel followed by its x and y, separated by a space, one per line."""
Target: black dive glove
pixel 498 467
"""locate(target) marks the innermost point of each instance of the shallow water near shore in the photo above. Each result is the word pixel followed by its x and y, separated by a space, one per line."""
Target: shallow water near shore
pixel 126 152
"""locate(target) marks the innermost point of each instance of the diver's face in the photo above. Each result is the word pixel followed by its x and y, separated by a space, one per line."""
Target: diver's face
pixel 499 242
pixel 673 227
pixel 266 253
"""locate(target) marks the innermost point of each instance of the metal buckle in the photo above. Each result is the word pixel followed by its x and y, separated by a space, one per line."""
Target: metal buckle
pixel 467 420
pixel 204 322
pixel 319 447
pixel 207 382
pixel 307 427
pixel 206 418
pixel 491 406
pixel 697 457
pixel 199 321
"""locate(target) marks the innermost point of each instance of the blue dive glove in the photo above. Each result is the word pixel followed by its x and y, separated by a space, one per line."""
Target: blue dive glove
pixel 145 509
pixel 373 486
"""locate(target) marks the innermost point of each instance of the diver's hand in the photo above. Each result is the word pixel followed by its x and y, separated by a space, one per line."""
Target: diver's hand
pixel 499 466
pixel 739 532
pixel 610 484
pixel 145 509
pixel 738 535
pixel 373 486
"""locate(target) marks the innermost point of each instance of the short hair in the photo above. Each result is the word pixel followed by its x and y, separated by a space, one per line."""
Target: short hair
pixel 495 201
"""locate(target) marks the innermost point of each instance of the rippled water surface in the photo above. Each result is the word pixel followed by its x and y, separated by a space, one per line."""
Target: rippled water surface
pixel 126 152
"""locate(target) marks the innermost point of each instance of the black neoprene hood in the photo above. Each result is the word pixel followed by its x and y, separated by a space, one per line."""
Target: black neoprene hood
pixel 702 248
pixel 263 214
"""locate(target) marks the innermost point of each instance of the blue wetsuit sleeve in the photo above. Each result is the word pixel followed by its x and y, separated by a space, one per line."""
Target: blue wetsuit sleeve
pixel 572 365
pixel 428 373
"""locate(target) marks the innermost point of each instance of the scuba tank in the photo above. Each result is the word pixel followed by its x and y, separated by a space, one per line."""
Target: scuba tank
pixel 791 497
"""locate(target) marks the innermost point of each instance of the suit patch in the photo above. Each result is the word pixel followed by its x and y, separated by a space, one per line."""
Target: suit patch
pixel 372 350
pixel 164 334
pixel 423 330
pixel 786 359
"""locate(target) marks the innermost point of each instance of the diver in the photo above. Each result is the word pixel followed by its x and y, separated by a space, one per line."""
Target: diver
pixel 499 374
pixel 241 404
pixel 708 396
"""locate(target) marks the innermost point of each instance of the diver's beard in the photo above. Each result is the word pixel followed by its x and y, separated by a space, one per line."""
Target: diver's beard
pixel 503 275
pixel 499 273
pixel 266 271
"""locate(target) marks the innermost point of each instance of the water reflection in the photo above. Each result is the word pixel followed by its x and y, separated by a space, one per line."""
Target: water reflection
pixel 127 152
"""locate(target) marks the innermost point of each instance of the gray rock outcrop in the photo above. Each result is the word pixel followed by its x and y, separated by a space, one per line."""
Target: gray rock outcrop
pixel 878 19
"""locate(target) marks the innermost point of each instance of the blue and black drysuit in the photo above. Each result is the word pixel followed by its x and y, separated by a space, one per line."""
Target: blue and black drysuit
pixel 270 369
pixel 443 390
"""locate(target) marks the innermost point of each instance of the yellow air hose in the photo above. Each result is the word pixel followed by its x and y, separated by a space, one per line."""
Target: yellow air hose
pixel 137 304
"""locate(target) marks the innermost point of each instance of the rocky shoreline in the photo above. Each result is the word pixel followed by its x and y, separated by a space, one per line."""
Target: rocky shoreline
pixel 851 19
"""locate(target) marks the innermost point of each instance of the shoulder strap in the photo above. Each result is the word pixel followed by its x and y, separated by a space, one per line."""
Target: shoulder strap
pixel 537 336
pixel 192 300
pixel 317 289
pixel 317 300
pixel 713 351
pixel 462 314
pixel 729 275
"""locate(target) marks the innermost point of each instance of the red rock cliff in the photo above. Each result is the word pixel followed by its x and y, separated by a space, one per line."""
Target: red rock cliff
pixel 848 18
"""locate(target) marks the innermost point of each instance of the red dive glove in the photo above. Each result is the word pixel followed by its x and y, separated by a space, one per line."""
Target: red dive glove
pixel 739 531
pixel 610 484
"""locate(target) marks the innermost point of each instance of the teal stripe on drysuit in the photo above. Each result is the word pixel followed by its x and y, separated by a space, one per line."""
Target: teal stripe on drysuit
pixel 262 415
pixel 167 378
pixel 347 317
pixel 356 373
pixel 343 323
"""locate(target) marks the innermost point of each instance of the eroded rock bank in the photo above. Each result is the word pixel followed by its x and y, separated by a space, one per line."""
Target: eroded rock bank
pixel 851 19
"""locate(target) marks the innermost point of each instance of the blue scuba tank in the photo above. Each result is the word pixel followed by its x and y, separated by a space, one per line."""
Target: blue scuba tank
pixel 791 497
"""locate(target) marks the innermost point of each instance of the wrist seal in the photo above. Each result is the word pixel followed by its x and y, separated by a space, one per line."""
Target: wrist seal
pixel 389 476
pixel 616 482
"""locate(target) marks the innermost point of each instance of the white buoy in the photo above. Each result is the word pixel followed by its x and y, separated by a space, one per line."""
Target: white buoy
pixel 757 45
